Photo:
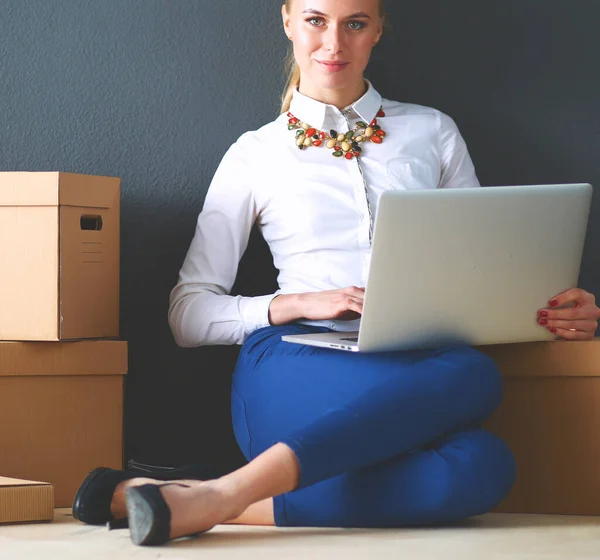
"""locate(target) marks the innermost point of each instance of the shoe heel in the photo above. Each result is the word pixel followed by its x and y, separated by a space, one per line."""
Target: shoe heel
pixel 149 515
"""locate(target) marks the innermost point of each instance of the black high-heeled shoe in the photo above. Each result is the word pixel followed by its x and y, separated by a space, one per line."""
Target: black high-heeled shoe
pixel 148 513
pixel 91 504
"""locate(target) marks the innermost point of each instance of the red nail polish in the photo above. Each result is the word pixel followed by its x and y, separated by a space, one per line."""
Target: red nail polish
pixel 543 314
pixel 554 303
pixel 553 331
pixel 543 321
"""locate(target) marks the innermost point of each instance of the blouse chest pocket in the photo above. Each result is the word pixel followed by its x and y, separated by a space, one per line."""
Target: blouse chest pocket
pixel 412 174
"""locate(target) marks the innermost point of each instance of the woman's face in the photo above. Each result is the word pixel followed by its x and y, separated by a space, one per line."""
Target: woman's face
pixel 332 41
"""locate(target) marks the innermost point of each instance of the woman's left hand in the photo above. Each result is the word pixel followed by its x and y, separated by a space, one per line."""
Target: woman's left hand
pixel 579 321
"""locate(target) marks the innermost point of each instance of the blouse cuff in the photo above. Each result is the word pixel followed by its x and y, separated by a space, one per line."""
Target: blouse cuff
pixel 255 311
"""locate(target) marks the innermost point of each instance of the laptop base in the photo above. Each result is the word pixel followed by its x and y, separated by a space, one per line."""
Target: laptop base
pixel 347 341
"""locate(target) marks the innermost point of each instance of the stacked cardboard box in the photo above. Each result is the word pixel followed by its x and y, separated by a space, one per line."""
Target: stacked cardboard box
pixel 550 418
pixel 25 501
pixel 62 366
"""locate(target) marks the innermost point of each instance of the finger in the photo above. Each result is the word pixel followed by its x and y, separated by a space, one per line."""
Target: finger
pixel 353 303
pixel 355 291
pixel 586 312
pixel 565 314
pixel 355 306
pixel 586 326
pixel 573 295
pixel 359 304
pixel 568 334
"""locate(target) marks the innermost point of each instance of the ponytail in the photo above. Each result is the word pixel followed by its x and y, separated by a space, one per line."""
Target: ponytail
pixel 293 81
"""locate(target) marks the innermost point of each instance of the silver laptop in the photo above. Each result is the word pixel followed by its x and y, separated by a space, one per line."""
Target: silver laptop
pixel 466 266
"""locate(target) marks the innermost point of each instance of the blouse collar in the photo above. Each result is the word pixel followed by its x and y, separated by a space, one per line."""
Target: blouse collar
pixel 318 114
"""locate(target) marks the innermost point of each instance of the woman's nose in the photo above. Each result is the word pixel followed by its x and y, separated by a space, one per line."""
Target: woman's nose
pixel 333 40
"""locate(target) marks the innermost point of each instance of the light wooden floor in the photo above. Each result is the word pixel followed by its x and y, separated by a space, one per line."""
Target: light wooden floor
pixel 489 537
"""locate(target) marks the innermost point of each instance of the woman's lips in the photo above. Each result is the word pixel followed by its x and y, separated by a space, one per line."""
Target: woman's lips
pixel 332 66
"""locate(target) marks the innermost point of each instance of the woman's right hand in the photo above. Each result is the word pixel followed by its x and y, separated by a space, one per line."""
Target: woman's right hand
pixel 344 304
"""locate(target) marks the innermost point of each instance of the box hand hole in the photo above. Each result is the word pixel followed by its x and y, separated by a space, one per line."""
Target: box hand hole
pixel 91 223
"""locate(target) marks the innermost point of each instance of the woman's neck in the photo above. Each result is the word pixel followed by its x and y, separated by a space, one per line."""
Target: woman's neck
pixel 339 98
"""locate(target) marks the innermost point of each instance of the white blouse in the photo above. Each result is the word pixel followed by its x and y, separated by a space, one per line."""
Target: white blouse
pixel 314 210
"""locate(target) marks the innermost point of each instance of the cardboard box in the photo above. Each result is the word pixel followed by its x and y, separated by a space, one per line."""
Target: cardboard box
pixel 550 418
pixel 61 411
pixel 59 256
pixel 23 501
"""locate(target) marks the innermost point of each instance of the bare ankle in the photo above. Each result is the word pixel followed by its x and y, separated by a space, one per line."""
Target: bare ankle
pixel 117 504
pixel 233 501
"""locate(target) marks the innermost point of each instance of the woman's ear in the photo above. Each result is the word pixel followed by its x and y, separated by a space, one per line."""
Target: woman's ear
pixel 379 31
pixel 286 22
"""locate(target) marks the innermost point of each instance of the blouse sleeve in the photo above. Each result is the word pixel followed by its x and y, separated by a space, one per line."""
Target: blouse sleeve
pixel 201 311
pixel 457 167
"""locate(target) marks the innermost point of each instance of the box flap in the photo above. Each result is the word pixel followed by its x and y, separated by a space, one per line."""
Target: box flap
pixel 54 188
pixel 5 481
pixel 24 188
pixel 559 358
pixel 88 191
pixel 85 357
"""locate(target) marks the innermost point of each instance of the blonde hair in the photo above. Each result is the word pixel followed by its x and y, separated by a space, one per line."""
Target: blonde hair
pixel 293 70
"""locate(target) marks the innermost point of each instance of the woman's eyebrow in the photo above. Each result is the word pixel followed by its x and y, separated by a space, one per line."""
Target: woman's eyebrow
pixel 353 16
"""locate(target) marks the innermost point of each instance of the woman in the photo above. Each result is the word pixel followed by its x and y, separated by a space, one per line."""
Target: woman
pixel 333 439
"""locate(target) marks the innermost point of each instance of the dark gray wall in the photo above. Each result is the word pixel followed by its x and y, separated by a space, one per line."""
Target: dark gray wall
pixel 154 91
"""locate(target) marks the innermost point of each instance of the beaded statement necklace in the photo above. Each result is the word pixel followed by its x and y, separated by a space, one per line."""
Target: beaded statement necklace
pixel 346 144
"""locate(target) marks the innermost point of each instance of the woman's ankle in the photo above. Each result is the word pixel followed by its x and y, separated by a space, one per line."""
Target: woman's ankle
pixel 273 472
pixel 117 504
pixel 230 495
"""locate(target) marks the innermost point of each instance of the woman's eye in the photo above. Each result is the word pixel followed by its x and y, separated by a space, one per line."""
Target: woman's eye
pixel 317 22
pixel 356 25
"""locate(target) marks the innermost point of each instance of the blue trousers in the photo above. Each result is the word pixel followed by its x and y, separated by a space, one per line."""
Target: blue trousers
pixel 383 439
